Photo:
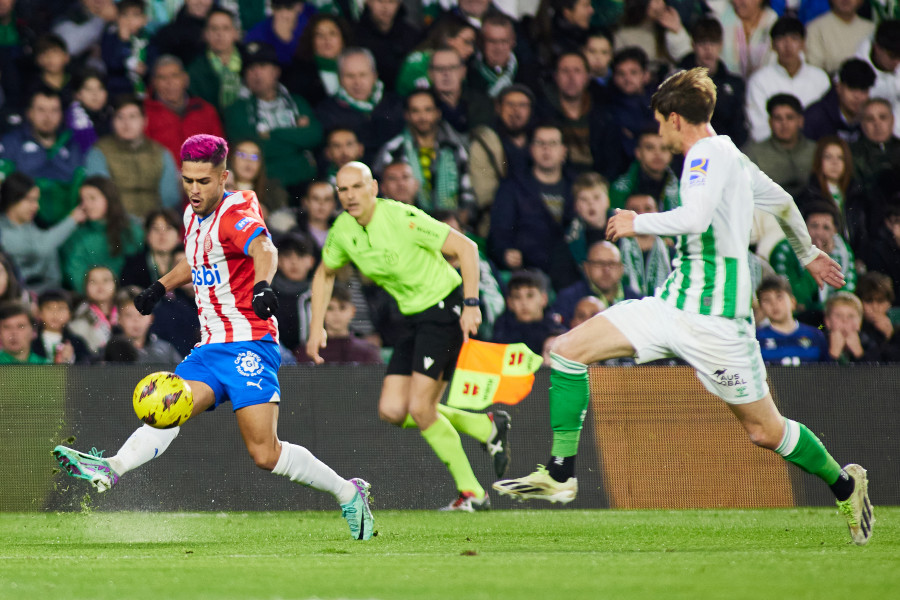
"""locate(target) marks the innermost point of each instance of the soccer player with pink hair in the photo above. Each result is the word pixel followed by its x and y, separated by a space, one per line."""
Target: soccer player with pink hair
pixel 230 259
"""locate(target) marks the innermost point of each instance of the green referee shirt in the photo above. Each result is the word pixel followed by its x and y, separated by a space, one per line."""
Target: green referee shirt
pixel 400 250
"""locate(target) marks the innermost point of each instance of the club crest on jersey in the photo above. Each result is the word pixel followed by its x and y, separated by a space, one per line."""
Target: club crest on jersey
pixel 207 243
pixel 248 363
pixel 697 171
pixel 206 276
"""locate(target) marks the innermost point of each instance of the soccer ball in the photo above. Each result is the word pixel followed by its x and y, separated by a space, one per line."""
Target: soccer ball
pixel 163 400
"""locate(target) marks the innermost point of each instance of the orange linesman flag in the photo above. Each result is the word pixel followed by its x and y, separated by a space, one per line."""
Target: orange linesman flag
pixel 492 374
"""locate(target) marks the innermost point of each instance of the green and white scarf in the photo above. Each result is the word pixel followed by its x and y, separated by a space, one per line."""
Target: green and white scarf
pixel 498 81
pixel 229 76
pixel 645 275
pixel 328 73
pixel 363 106
pixel 280 113
pixel 446 194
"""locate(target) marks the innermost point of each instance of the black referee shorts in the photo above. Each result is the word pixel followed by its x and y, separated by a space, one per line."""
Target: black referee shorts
pixel 433 340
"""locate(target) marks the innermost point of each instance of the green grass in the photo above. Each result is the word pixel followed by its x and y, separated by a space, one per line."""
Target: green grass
pixel 528 555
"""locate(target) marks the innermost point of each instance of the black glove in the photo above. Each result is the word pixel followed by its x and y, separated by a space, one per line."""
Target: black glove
pixel 146 300
pixel 265 302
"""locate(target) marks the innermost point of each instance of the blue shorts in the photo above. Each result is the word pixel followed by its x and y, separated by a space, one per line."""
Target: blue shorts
pixel 245 373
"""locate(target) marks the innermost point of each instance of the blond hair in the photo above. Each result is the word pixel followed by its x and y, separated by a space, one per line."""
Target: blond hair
pixel 844 299
pixel 589 181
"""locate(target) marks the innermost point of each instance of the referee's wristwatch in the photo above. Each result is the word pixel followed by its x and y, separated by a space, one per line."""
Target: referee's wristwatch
pixel 471 302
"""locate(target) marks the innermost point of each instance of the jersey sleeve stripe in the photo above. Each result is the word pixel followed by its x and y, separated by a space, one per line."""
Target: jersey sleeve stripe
pixel 252 237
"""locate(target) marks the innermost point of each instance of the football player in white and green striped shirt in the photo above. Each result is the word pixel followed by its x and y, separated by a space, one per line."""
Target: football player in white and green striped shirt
pixel 702 313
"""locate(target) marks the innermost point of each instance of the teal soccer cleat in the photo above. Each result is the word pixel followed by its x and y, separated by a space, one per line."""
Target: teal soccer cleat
pixel 92 467
pixel 357 512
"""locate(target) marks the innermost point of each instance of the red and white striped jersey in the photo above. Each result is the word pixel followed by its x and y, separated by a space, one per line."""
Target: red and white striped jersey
pixel 222 272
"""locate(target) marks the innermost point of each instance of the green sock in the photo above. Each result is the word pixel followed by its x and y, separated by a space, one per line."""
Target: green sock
pixel 569 397
pixel 409 423
pixel 477 425
pixel 801 447
pixel 444 440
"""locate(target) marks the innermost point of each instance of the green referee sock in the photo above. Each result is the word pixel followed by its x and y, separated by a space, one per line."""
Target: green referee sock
pixel 801 447
pixel 444 440
pixel 569 397
pixel 477 425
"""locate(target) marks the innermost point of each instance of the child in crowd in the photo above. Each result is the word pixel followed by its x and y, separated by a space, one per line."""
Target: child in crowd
pixel 54 340
pixel 51 56
pixel 843 327
pixel 16 332
pixel 96 316
pixel 342 347
pixel 135 329
pixel 525 319
pixel 123 49
pixel 598 50
pixel 90 114
pixel 295 261
pixel 876 292
pixel 591 192
pixel 785 340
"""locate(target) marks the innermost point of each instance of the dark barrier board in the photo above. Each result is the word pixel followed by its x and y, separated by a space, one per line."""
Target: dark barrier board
pixel 333 412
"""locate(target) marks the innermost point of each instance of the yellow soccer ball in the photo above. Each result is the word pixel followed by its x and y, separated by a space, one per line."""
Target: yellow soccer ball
pixel 163 400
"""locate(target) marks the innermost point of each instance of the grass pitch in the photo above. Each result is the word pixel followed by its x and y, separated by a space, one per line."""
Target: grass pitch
pixel 520 554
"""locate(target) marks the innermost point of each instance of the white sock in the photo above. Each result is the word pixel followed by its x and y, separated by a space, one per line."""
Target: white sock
pixel 144 444
pixel 299 465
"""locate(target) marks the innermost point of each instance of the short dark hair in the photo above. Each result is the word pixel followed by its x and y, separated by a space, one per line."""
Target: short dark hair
pixel 421 92
pixel 54 295
pixel 774 283
pixel 788 100
pixel 707 29
pixel 527 278
pixel 691 94
pixel 124 5
pixel 14 308
pixel 84 75
pixel 887 36
pixel 788 26
pixel 337 129
pixel 576 53
pixel 341 293
pixel 45 91
pixel 822 207
pixel 633 53
pixel 294 243
pixel 219 10
pixel 123 100
pixel 167 214
pixel 857 74
pixel 516 87
pixel 14 188
pixel 875 286
pixel 599 32
pixel 49 41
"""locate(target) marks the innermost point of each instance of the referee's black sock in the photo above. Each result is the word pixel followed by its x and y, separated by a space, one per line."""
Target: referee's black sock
pixel 561 468
pixel 843 487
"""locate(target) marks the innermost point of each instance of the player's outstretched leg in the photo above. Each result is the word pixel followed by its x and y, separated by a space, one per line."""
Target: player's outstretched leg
pixel 569 397
pixel 849 485
pixel 299 465
pixel 144 444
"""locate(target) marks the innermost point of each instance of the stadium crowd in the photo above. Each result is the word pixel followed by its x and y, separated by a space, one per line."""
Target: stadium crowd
pixel 522 124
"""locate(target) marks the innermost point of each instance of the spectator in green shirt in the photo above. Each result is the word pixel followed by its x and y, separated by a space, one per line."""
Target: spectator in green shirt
pixel 16 331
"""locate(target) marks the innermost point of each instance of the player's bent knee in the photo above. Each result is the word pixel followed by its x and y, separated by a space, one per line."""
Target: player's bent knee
pixel 763 438
pixel 264 458
pixel 394 417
